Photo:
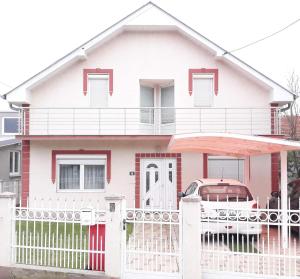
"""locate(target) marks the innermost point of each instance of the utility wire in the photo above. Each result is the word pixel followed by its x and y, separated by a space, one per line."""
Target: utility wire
pixel 264 38
pixel 5 84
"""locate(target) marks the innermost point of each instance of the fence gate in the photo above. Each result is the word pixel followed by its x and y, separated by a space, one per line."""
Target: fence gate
pixel 152 244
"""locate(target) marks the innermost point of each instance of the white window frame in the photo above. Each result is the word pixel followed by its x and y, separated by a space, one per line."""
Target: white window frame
pixel 204 76
pixel 97 76
pixel 3 120
pixel 13 173
pixel 81 160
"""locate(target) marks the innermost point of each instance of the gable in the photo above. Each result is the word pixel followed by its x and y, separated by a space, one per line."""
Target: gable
pixel 152 18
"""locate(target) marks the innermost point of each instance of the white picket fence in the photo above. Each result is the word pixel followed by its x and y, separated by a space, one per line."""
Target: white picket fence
pixel 52 234
pixel 236 241
pixel 229 245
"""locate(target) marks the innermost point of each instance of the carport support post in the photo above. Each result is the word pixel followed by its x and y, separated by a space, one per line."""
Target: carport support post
pixel 191 237
pixel 7 225
pixel 114 235
pixel 284 201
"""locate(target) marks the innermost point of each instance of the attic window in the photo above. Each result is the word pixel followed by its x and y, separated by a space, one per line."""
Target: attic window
pixel 197 72
pixel 97 72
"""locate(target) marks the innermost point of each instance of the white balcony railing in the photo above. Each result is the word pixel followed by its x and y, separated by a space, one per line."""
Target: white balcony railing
pixel 149 121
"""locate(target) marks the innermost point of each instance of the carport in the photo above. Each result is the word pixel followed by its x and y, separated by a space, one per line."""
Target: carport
pixel 239 146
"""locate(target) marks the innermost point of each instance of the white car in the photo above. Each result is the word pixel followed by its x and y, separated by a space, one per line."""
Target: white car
pixel 227 207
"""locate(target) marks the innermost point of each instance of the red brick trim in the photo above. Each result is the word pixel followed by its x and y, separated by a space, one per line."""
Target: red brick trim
pixel 98 71
pixel 275 171
pixel 25 171
pixel 215 73
pixel 205 165
pixel 85 152
pixel 25 128
pixel 274 156
pixel 139 156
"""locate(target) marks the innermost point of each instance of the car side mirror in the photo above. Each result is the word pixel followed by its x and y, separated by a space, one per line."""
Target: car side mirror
pixel 181 194
pixel 275 194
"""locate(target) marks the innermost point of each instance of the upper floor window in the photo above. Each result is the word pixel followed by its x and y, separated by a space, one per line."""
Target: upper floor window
pixel 203 90
pixel 157 101
pixel 14 163
pixel 81 173
pixel 10 125
pixel 98 88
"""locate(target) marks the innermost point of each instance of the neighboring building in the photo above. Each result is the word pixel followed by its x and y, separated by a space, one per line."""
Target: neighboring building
pixel 290 126
pixel 98 121
pixel 10 153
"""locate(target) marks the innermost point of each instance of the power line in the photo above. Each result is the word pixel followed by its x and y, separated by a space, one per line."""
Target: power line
pixel 5 84
pixel 264 38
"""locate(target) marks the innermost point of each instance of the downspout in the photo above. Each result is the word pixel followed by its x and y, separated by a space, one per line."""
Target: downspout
pixel 286 108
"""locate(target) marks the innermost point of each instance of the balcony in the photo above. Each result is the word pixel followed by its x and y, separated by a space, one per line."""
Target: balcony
pixel 149 121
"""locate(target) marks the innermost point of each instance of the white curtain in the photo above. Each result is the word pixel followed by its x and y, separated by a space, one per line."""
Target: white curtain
pixel 69 177
pixel 94 176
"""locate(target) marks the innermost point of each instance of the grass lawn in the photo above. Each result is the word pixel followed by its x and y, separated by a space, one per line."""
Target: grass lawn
pixel 72 238
pixel 129 230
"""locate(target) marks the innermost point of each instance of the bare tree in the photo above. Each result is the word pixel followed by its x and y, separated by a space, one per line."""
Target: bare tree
pixel 292 117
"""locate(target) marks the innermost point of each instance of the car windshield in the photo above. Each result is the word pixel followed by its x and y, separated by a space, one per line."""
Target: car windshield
pixel 224 193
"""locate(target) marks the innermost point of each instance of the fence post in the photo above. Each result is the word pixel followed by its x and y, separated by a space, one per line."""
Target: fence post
pixel 191 237
pixel 7 225
pixel 115 212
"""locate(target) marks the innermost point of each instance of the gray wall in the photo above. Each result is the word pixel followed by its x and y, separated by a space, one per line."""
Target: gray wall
pixel 4 161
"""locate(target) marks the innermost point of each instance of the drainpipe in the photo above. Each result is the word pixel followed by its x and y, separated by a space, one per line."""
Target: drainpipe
pixel 286 108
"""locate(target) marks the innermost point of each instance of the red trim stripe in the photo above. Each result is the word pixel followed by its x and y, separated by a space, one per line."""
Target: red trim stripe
pixel 109 72
pixel 215 73
pixel 205 165
pixel 25 171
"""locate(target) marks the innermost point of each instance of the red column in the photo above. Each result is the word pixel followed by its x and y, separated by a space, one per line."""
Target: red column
pixel 274 156
pixel 25 170
pixel 205 165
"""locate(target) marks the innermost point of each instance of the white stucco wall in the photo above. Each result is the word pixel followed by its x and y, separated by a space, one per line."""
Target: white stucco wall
pixel 134 56
pixel 148 55
pixel 122 162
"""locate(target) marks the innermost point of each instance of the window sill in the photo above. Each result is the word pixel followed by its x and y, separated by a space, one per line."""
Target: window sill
pixel 14 175
pixel 80 191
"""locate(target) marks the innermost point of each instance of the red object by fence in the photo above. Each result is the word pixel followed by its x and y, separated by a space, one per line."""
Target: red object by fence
pixel 97 247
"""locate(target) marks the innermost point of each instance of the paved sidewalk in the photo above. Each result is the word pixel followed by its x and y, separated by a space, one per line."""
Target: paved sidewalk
pixel 20 273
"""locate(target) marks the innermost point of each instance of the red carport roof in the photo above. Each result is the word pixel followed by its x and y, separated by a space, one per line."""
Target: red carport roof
pixel 230 144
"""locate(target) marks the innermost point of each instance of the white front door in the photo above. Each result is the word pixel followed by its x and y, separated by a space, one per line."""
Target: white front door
pixel 158 183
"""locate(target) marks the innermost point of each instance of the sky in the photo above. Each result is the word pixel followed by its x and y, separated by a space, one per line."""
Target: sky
pixel 35 33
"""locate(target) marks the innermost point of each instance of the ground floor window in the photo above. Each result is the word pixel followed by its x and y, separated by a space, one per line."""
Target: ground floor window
pixel 81 172
pixel 226 167
pixel 14 163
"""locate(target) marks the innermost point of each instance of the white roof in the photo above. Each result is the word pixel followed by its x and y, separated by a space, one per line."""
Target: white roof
pixel 147 17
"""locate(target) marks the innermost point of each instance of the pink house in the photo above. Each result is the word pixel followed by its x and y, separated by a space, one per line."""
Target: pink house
pixel 98 120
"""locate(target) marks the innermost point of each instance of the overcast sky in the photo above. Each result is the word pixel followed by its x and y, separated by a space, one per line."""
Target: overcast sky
pixel 34 33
